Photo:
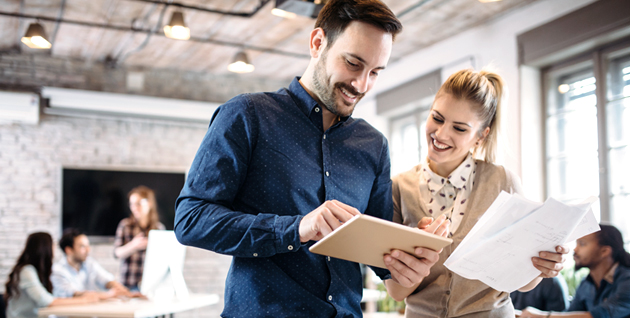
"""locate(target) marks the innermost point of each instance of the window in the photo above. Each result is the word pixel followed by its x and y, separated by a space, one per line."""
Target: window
pixel 587 120
pixel 408 145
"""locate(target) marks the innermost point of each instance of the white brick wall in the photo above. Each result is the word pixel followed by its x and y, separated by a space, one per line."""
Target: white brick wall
pixel 31 157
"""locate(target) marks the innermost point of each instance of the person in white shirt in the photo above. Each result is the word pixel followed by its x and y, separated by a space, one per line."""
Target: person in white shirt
pixel 28 287
pixel 78 274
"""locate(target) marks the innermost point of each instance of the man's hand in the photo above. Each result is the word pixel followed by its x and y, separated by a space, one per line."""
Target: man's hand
pixel 325 219
pixel 408 270
pixel 550 264
pixel 118 289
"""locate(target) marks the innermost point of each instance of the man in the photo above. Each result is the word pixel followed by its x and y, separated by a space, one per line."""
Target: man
pixel 278 171
pixel 78 274
pixel 551 294
pixel 605 292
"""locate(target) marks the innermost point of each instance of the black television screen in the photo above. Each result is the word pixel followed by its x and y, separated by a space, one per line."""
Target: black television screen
pixel 94 201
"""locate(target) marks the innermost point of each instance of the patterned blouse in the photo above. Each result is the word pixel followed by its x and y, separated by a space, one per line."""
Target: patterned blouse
pixel 130 267
pixel 448 195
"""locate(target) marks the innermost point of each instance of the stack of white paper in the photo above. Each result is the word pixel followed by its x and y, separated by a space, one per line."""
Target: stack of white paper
pixel 499 249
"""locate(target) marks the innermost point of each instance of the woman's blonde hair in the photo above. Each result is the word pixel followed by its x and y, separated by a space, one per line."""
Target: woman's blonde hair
pixel 485 90
pixel 148 194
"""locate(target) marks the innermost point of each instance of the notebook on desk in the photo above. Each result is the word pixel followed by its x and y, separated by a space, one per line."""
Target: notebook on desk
pixel 365 239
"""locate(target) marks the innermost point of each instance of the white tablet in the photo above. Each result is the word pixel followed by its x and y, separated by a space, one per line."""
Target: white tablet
pixel 365 239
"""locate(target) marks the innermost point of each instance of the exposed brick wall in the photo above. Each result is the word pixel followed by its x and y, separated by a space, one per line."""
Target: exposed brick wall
pixel 31 157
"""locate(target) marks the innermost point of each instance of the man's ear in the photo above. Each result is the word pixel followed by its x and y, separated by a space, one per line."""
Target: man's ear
pixel 606 251
pixel 67 250
pixel 317 42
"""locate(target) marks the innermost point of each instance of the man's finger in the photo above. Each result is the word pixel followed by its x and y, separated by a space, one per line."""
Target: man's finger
pixel 347 208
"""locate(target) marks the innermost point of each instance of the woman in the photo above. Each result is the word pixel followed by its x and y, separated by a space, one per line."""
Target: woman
pixel 452 184
pixel 29 286
pixel 132 232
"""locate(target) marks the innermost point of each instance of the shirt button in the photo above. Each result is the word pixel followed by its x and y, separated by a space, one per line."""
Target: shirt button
pixel 327 173
pixel 324 136
pixel 317 109
pixel 290 247
pixel 255 254
pixel 448 292
pixel 329 258
pixel 450 274
pixel 330 297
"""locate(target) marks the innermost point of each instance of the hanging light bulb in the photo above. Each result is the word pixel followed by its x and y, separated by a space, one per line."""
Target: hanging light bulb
pixel 176 29
pixel 240 64
pixel 35 37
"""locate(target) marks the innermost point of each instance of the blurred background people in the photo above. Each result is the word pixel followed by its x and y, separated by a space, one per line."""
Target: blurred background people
pixel 77 273
pixel 132 233
pixel 29 287
pixel 605 292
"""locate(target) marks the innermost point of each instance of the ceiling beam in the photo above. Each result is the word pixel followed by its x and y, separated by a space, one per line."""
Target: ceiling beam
pixel 142 30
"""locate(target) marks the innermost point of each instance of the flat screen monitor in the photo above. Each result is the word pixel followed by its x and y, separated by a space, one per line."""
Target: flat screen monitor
pixel 162 276
pixel 95 200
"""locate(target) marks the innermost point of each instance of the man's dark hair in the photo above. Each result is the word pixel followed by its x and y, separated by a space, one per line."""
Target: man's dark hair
pixel 67 238
pixel 610 236
pixel 337 14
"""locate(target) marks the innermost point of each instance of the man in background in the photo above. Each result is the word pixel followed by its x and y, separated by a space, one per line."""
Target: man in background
pixel 605 292
pixel 77 274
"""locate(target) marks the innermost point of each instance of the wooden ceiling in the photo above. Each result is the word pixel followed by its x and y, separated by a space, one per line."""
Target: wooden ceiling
pixel 117 31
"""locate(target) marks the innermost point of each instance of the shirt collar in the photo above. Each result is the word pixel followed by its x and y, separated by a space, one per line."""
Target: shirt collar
pixel 64 262
pixel 306 103
pixel 609 277
pixel 458 177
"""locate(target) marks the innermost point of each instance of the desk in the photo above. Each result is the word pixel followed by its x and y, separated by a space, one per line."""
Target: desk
pixel 131 308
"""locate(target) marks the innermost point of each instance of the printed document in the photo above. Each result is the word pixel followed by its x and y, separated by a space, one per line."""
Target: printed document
pixel 499 248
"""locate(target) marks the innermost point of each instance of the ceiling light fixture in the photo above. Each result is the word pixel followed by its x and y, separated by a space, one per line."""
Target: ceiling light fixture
pixel 176 29
pixel 283 14
pixel 309 8
pixel 240 64
pixel 35 37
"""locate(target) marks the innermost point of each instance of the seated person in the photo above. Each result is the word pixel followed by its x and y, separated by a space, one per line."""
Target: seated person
pixel 550 294
pixel 605 292
pixel 78 274
pixel 28 287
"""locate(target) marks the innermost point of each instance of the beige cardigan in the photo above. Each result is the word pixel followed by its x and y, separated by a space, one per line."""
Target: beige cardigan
pixel 444 293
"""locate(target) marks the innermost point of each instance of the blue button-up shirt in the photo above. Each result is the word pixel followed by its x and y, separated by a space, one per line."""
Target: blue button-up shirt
pixel 264 163
pixel 610 300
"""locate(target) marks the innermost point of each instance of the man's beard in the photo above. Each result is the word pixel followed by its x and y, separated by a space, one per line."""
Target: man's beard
pixel 328 95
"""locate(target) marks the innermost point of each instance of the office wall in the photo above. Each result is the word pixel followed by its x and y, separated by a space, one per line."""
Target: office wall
pixel 31 157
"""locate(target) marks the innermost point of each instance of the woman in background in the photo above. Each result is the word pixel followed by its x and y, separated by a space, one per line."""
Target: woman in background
pixel 452 184
pixel 132 233
pixel 29 286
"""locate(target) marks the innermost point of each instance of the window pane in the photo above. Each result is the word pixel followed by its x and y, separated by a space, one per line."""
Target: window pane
pixel 618 119
pixel 572 158
pixel 407 142
pixel 620 216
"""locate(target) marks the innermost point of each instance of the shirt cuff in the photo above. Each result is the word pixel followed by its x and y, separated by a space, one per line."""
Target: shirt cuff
pixel 287 233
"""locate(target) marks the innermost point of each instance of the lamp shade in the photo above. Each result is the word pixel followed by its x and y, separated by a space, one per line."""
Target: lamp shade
pixel 176 29
pixel 240 64
pixel 35 37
